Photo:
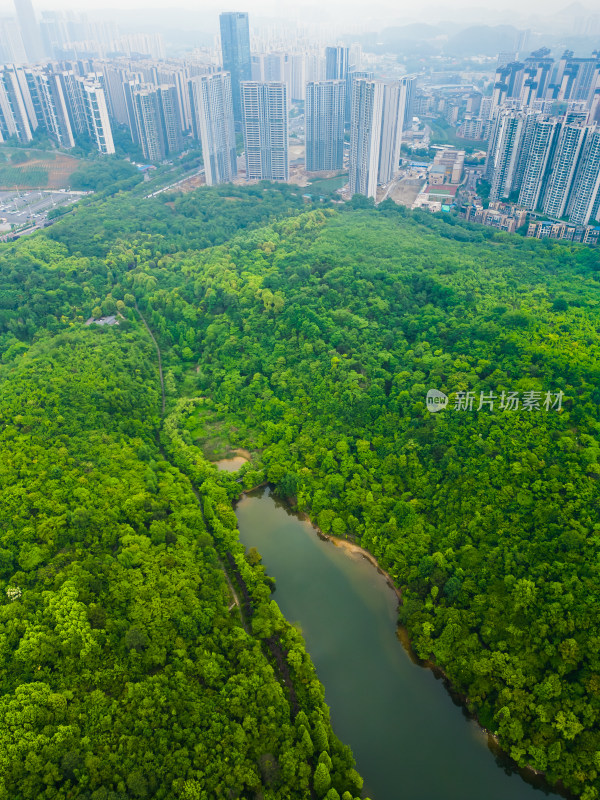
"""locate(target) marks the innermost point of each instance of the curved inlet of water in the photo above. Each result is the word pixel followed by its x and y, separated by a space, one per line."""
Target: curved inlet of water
pixel 231 464
pixel 410 740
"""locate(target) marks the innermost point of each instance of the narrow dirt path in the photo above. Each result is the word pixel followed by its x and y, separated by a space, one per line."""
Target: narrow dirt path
pixel 234 595
pixel 160 369
pixel 236 599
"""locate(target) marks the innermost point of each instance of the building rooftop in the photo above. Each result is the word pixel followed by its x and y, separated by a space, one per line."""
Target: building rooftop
pixel 111 320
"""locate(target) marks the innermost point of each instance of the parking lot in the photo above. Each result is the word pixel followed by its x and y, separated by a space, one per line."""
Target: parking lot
pixel 19 207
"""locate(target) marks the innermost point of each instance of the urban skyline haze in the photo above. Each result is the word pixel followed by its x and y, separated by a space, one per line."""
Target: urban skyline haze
pixel 379 14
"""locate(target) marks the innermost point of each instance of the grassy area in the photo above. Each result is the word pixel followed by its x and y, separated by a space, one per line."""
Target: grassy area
pixel 442 133
pixel 212 433
pixel 327 185
pixel 44 169
pixel 23 177
pixel 219 435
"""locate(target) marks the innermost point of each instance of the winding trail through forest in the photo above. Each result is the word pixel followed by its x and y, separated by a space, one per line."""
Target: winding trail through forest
pixel 160 369
pixel 236 599
pixel 234 594
pixel 245 609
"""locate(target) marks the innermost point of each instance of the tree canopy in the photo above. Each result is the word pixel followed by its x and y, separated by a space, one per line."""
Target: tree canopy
pixel 135 631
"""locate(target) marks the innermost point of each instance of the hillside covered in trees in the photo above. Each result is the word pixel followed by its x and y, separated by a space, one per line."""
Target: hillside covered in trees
pixel 141 654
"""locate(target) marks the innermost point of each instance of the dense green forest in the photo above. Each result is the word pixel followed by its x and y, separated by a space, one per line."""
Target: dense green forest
pixel 311 336
pixel 141 654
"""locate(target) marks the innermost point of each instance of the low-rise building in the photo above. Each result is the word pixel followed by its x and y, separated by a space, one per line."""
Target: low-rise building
pixel 434 197
pixel 511 210
pixel 477 128
pixel 453 162
pixel 547 229
pixel 502 216
pixel 437 174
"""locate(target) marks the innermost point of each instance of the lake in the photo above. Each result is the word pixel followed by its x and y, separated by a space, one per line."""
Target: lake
pixel 409 738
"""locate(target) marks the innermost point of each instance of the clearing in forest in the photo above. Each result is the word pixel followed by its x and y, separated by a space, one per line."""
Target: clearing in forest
pixel 40 169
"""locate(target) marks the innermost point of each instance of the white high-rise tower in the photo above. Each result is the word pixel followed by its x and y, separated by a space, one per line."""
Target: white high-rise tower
pixel 375 134
pixel 265 124
pixel 213 124
pixel 30 31
pixel 324 125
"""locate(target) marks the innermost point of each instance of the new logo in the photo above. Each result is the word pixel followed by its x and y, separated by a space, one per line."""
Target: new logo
pixel 436 401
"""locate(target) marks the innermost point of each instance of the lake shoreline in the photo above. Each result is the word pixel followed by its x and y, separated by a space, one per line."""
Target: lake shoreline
pixel 233 461
pixel 527 773
pixel 460 699
pixel 351 547
pixel 457 697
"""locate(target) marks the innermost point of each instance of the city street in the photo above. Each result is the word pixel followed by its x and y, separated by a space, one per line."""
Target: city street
pixel 18 207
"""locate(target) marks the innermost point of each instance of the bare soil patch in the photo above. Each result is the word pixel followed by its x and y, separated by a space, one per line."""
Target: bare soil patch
pixel 32 173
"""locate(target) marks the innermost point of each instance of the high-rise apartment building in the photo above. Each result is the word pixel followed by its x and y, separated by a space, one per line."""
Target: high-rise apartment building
pixel 584 201
pixel 504 151
pixel 523 144
pixel 115 78
pixel 54 29
pixel 170 118
pixel 296 69
pixel 324 125
pixel 375 134
pixel 176 75
pixel 570 139
pixel 235 47
pixel 144 122
pixel 135 44
pixel 14 119
pixel 365 136
pixel 336 63
pixel 61 102
pixel 265 126
pixel 72 93
pixel 21 76
pixel 12 49
pixel 30 31
pixel 154 119
pixel 539 77
pixel 51 107
pixel 213 124
pixel 96 112
pixel 355 56
pixel 576 78
pixel 66 32
pixel 268 67
pixel 409 82
pixel 538 153
pixel 552 162
pixel 32 97
pixel 594 115
pixel 394 98
pixel 353 75
pixel 315 67
pixel 537 73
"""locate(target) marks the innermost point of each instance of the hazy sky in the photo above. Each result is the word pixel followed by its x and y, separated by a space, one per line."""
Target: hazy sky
pixel 393 8
pixel 372 12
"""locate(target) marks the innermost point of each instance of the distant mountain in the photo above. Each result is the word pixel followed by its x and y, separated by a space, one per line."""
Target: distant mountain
pixel 574 10
pixel 417 30
pixel 483 40
pixel 447 38
pixel 414 39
